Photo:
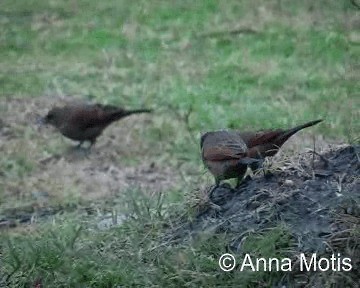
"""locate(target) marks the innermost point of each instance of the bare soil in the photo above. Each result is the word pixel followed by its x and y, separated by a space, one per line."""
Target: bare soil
pixel 303 194
pixel 60 173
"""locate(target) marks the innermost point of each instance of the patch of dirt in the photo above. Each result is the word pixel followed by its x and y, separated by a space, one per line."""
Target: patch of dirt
pixel 302 195
pixel 60 173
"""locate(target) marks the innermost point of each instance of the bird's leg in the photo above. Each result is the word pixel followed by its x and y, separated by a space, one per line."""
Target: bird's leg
pixel 88 148
pixel 263 170
pixel 241 180
pixel 256 166
pixel 92 143
pixel 217 183
pixel 79 145
pixel 238 181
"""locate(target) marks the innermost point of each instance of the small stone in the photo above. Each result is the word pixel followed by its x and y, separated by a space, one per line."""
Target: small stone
pixel 289 182
pixel 253 205
pixel 282 201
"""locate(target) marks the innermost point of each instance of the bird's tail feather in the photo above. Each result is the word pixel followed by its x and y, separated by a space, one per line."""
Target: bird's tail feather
pixel 137 111
pixel 287 134
pixel 116 115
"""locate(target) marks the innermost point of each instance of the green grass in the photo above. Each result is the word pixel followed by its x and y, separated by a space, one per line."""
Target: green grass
pixel 134 53
pixel 177 57
pixel 137 253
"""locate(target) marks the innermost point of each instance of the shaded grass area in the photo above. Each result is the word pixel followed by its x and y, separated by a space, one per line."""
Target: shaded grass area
pixel 201 65
pixel 68 253
pixel 142 251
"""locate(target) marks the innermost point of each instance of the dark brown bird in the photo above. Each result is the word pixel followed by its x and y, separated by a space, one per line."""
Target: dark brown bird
pixel 86 122
pixel 227 154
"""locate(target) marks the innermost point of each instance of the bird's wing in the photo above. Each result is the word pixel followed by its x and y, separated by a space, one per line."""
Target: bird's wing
pixel 253 139
pixel 105 108
pixel 87 116
pixel 223 146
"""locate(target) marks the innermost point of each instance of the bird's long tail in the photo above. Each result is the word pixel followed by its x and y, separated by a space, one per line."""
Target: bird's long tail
pixel 288 133
pixel 269 142
pixel 137 111
pixel 116 115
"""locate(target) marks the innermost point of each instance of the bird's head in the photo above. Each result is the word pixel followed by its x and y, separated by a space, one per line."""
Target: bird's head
pixel 202 138
pixel 53 117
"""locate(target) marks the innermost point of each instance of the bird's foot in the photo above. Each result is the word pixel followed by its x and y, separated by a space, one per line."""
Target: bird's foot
pixel 79 150
pixel 79 146
pixel 265 171
pixel 86 149
pixel 268 174
pixel 225 185
pixel 242 181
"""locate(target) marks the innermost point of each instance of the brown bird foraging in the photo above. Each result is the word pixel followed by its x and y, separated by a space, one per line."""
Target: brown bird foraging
pixel 227 154
pixel 224 153
pixel 86 122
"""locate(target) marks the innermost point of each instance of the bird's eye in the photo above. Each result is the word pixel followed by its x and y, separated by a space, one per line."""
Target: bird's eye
pixel 50 116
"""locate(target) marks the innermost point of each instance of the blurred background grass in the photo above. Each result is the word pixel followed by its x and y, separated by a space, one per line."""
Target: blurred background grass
pixel 297 61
